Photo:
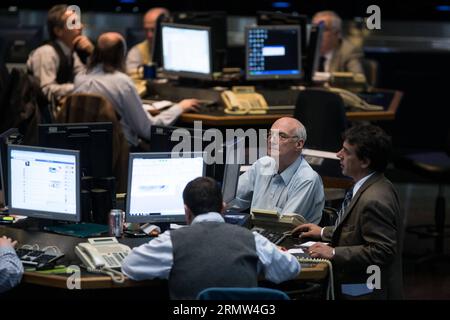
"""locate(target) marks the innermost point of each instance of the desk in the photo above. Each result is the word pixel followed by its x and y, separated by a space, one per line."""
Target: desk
pixel 93 281
pixel 217 118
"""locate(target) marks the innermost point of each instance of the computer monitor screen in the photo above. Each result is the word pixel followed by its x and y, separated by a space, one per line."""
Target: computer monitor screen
pixel 155 185
pixel 44 182
pixel 93 140
pixel 279 18
pixel 186 50
pixel 10 136
pixel 273 52
pixel 17 43
pixel 311 64
pixel 235 155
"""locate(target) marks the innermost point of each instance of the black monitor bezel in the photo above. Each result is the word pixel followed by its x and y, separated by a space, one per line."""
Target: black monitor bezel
pixel 42 214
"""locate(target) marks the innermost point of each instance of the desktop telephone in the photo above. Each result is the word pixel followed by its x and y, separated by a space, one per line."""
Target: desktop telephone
pixel 271 219
pixel 244 100
pixel 102 253
pixel 351 100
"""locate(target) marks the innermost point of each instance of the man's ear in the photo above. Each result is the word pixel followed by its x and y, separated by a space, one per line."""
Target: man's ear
pixel 188 214
pixel 365 163
pixel 222 210
pixel 58 31
pixel 300 144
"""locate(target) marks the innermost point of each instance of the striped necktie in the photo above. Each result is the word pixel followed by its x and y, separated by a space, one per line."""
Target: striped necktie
pixel 347 199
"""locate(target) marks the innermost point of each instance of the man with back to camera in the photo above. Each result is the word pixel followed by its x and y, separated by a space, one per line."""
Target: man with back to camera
pixel 294 187
pixel 57 63
pixel 142 52
pixel 106 76
pixel 369 227
pixel 208 252
pixel 11 268
pixel 337 53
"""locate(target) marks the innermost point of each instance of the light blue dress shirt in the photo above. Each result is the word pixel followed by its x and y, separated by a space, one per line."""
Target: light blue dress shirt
pixel 11 269
pixel 298 189
pixel 155 259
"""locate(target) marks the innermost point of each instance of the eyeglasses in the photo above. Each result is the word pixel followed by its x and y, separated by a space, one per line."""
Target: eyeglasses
pixel 283 136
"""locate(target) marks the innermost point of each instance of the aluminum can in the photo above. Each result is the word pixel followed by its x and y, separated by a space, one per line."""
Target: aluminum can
pixel 116 221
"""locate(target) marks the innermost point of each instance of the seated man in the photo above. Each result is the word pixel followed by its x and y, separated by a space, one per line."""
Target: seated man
pixel 105 76
pixel 294 187
pixel 337 53
pixel 369 228
pixel 209 252
pixel 142 52
pixel 11 268
pixel 57 63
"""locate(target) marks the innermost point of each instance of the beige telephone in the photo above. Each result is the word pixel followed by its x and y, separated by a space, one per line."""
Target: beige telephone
pixel 244 100
pixel 353 101
pixel 101 253
pixel 273 220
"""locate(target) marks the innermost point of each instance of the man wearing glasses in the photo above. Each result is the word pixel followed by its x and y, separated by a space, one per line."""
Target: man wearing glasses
pixel 283 181
pixel 336 53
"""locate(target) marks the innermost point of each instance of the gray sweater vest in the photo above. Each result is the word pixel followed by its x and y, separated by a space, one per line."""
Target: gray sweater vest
pixel 211 254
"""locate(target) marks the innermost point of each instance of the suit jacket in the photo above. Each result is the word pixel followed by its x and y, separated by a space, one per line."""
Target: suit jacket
pixel 346 58
pixel 370 233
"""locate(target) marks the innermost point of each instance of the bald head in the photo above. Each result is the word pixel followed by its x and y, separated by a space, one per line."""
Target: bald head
pixel 149 21
pixel 291 126
pixel 109 39
pixel 110 51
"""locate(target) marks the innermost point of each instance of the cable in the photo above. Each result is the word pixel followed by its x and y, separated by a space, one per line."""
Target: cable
pixel 330 287
pixel 116 276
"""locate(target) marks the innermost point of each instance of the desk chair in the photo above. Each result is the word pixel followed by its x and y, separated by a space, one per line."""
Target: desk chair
pixel 371 71
pixel 96 108
pixel 435 166
pixel 242 294
pixel 323 114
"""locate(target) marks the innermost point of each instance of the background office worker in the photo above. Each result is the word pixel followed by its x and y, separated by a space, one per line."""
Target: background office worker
pixel 337 53
pixel 142 52
pixel 11 268
pixel 294 188
pixel 209 252
pixel 369 229
pixel 105 76
pixel 57 63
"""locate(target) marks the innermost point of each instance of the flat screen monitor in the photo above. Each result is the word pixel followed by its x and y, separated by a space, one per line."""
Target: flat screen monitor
pixel 312 56
pixel 279 18
pixel 93 140
pixel 44 182
pixel 10 136
pixel 186 51
pixel 155 185
pixel 17 43
pixel 273 52
pixel 235 156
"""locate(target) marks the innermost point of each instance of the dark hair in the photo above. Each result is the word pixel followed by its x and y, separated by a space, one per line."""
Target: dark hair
pixel 203 195
pixel 111 56
pixel 55 18
pixel 371 143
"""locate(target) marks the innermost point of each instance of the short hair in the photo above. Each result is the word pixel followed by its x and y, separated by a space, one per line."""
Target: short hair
pixel 111 56
pixel 336 21
pixel 371 143
pixel 300 132
pixel 203 195
pixel 55 18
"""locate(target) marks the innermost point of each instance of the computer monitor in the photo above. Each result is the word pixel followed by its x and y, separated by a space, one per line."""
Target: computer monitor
pixel 155 185
pixel 217 22
pixel 93 140
pixel 187 51
pixel 10 136
pixel 279 18
pixel 232 168
pixel 312 57
pixel 44 182
pixel 273 52
pixel 17 43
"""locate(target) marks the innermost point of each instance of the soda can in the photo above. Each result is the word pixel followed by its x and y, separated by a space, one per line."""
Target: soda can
pixel 116 221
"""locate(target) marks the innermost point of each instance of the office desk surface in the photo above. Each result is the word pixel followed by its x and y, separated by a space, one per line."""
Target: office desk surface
pixel 95 281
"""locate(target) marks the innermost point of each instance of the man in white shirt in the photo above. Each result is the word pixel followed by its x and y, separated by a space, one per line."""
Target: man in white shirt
pixel 57 63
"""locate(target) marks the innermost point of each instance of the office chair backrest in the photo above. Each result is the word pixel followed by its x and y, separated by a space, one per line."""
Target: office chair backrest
pixel 323 114
pixel 371 71
pixel 242 294
pixel 96 108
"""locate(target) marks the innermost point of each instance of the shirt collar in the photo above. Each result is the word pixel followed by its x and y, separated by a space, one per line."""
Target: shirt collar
pixel 64 48
pixel 289 172
pixel 210 217
pixel 360 183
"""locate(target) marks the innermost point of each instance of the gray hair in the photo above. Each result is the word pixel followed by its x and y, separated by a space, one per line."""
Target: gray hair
pixel 336 21
pixel 300 132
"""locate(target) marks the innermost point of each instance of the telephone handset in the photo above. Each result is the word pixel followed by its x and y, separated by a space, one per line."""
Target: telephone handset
pixel 271 218
pixel 353 101
pixel 100 253
pixel 244 100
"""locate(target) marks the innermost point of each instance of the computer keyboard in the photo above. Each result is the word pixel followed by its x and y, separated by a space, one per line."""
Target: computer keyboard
pixel 272 236
pixel 37 258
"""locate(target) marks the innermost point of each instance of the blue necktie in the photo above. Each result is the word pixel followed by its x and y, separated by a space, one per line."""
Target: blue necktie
pixel 347 199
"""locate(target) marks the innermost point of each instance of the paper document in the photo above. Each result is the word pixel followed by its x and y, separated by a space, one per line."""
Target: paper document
pixel 319 153
pixel 295 251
